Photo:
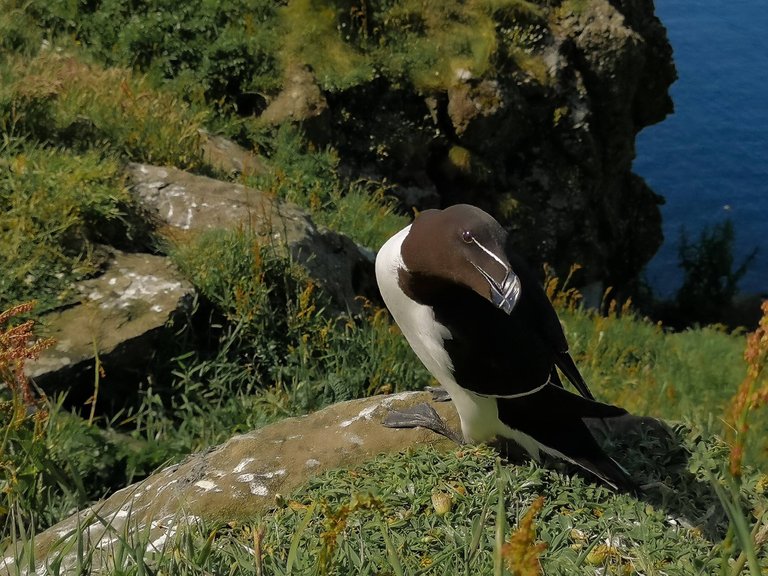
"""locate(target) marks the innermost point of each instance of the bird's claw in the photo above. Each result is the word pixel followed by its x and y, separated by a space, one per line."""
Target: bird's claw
pixel 421 415
pixel 439 394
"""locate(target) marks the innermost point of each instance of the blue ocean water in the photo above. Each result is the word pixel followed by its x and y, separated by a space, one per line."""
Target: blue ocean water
pixel 710 158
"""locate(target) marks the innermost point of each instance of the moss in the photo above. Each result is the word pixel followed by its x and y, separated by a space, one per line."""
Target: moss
pixel 559 115
pixel 508 206
pixel 460 158
pixel 575 7
pixel 431 46
pixel 316 36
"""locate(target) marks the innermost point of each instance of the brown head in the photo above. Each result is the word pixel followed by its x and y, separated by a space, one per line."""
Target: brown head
pixel 464 245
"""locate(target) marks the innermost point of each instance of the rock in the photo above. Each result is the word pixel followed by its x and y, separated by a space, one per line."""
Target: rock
pixel 300 99
pixel 229 157
pixel 122 316
pixel 238 479
pixel 186 202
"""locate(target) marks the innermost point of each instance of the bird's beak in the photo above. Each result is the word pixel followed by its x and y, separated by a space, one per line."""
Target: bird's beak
pixel 504 294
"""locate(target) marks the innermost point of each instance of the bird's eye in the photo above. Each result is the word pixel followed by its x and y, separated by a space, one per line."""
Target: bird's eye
pixel 467 237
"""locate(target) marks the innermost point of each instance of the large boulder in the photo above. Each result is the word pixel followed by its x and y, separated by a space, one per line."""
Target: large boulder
pixel 111 334
pixel 128 314
pixel 188 203
pixel 236 480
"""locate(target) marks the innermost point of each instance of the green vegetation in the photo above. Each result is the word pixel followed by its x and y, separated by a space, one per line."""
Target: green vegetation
pixel 710 282
pixel 86 87
pixel 347 43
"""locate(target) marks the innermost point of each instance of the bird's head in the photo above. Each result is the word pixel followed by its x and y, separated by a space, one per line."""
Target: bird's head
pixel 464 245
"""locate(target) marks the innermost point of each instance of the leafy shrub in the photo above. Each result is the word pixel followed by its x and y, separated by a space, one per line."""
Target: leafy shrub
pixel 710 281
pixel 54 207
pixel 60 98
pixel 221 49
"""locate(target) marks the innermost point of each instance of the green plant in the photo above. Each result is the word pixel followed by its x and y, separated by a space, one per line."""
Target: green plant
pixel 61 98
pixel 221 50
pixel 309 177
pixel 710 281
pixel 751 397
pixel 53 205
pixel 350 43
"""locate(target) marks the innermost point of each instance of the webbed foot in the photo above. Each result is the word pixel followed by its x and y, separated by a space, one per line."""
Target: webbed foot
pixel 421 415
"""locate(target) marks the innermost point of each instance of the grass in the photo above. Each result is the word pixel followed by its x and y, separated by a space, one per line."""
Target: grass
pixel 261 369
pixel 60 98
pixel 429 512
pixel 676 376
pixel 309 177
pixel 53 204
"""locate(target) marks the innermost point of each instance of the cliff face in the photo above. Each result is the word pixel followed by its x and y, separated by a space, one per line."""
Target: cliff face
pixel 532 116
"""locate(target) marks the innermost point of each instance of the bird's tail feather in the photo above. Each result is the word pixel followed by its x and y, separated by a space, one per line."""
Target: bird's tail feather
pixel 609 471
pixel 557 400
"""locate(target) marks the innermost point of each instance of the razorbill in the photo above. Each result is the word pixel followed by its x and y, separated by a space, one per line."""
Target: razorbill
pixel 479 320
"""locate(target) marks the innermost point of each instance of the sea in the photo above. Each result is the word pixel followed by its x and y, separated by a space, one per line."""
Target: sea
pixel 710 158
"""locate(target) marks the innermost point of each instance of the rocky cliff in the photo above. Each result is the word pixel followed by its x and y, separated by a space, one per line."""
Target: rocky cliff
pixel 529 110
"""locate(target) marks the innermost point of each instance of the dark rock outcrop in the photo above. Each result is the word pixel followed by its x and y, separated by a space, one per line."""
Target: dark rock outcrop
pixel 543 137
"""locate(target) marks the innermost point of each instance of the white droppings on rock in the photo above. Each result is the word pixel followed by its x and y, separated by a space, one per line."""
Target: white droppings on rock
pixel 258 489
pixel 397 397
pixel 280 472
pixel 246 477
pixel 106 541
pixel 207 486
pixel 66 532
pixel 312 463
pixel 95 295
pixel 364 414
pixel 463 74
pixel 354 439
pixel 188 220
pixel 112 281
pixel 157 308
pixel 157 544
pixel 241 466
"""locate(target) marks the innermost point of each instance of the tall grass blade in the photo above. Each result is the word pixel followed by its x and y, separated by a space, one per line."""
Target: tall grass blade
pixel 394 561
pixel 498 558
pixel 294 549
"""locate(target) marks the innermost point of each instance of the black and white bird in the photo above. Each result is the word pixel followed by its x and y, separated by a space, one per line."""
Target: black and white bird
pixel 479 320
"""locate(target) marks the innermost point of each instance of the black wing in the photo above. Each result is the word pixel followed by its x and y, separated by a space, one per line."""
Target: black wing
pixel 539 315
